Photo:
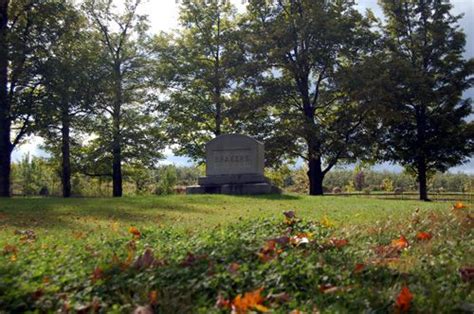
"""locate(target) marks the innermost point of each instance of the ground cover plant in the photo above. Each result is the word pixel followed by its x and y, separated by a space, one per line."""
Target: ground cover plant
pixel 222 254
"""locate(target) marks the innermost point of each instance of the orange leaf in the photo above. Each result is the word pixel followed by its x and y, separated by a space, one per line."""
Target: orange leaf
pixel 404 299
pixel 339 242
pixel 250 300
pixel 153 297
pixel 423 236
pixel 401 243
pixel 459 205
pixel 359 267
pixel 8 249
pixel 135 232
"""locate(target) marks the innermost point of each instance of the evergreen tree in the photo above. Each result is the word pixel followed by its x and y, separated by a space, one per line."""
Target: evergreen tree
pixel 425 115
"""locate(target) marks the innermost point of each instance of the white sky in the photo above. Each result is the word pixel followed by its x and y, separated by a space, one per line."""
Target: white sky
pixel 163 16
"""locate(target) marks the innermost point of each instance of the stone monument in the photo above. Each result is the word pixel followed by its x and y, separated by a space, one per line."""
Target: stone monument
pixel 234 165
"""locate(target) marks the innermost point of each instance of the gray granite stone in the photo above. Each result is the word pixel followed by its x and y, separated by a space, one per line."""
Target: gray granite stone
pixel 234 165
pixel 234 154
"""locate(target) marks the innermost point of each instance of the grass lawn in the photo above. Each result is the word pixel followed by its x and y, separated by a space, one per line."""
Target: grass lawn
pixel 201 254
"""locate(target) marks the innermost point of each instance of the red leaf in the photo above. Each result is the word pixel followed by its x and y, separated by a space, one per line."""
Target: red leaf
pixel 404 299
pixel 97 274
pixel 359 268
pixel 423 236
pixel 466 273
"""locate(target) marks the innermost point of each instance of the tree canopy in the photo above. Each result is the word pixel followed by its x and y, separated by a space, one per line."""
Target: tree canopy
pixel 315 80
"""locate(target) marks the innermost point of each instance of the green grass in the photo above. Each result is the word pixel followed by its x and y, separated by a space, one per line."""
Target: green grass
pixel 196 238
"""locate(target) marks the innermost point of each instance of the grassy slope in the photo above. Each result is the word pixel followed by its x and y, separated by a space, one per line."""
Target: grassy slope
pixel 76 236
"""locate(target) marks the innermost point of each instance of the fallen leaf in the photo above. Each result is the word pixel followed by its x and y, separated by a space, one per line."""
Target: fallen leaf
pixel 153 297
pixel 423 236
pixel 190 259
pixel 326 222
pixel 404 299
pixel 222 303
pixel 269 251
pixel 459 205
pixel 251 300
pixel 78 235
pixel 359 268
pixel 302 238
pixel 135 232
pixel 401 243
pixel 37 294
pixel 147 260
pixel 339 242
pixel 9 249
pixel 233 268
pixel 26 235
pixel 466 273
pixel 97 274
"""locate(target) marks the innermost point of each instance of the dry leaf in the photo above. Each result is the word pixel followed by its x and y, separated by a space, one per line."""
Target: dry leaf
pixel 404 299
pixel 423 236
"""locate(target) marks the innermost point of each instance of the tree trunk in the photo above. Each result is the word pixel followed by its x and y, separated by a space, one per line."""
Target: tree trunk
pixel 217 91
pixel 117 140
pixel 117 168
pixel 421 153
pixel 5 119
pixel 422 180
pixel 316 177
pixel 66 159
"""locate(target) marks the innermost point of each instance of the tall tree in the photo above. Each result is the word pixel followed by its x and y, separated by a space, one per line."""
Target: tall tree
pixel 426 125
pixel 306 50
pixel 199 71
pixel 72 80
pixel 5 120
pixel 124 39
pixel 27 29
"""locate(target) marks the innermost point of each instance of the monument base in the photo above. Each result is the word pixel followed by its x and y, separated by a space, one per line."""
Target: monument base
pixel 211 185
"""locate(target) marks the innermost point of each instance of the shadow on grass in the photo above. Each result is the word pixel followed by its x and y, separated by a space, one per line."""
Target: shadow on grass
pixel 272 197
pixel 57 213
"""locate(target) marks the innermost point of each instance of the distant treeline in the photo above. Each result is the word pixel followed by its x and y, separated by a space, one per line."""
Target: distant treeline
pixel 34 176
pixel 367 181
